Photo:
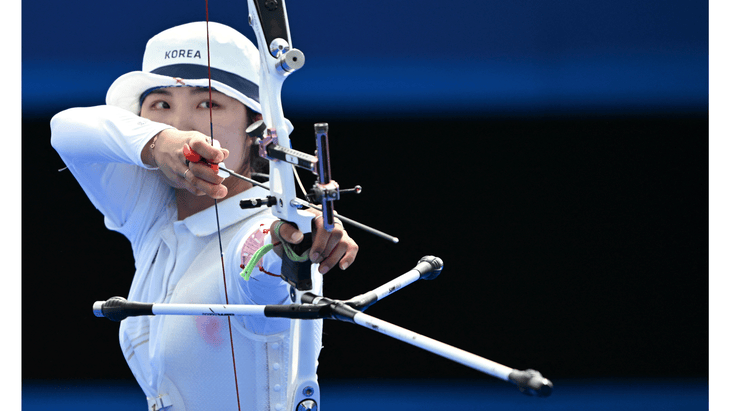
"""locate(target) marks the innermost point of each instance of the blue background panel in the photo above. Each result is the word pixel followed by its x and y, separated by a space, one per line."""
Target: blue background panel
pixel 401 395
pixel 405 57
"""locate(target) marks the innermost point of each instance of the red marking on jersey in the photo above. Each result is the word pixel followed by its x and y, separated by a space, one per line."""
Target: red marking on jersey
pixel 210 329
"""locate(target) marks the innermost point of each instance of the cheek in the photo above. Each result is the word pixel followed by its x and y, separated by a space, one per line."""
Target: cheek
pixel 235 141
pixel 245 152
pixel 144 112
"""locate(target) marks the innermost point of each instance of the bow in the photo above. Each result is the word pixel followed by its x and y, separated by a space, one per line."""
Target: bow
pixel 278 59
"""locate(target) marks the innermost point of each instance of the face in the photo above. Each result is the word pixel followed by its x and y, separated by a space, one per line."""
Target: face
pixel 188 109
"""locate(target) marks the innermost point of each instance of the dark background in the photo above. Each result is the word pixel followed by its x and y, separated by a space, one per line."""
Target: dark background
pixel 554 155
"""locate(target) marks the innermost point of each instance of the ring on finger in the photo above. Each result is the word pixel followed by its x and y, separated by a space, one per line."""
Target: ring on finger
pixel 185 174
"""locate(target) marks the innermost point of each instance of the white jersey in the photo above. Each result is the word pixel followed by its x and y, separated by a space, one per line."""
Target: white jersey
pixel 182 362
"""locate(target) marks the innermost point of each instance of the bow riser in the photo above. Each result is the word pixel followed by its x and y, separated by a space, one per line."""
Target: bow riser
pixel 275 68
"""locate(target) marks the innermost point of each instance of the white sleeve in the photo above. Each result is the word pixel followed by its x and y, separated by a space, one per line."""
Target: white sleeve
pixel 102 148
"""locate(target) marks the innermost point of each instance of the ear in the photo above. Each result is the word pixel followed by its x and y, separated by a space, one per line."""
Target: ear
pixel 251 117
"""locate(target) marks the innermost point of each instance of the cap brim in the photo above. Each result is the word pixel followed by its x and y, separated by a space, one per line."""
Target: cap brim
pixel 126 90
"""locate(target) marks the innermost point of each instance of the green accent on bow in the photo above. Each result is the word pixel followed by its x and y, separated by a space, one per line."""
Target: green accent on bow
pixel 287 247
pixel 255 258
pixel 259 254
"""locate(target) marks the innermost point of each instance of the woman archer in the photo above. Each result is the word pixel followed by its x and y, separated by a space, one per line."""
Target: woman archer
pixel 128 157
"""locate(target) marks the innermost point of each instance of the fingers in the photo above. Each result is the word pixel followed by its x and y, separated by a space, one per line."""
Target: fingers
pixel 211 152
pixel 290 234
pixel 198 179
pixel 332 248
pixel 343 252
pixel 203 180
pixel 329 249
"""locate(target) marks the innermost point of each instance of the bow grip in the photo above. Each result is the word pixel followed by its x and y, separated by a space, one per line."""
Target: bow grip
pixel 298 273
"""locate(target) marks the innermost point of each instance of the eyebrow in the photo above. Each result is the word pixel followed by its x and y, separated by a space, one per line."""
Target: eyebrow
pixel 199 90
pixel 161 90
pixel 194 90
pixel 164 91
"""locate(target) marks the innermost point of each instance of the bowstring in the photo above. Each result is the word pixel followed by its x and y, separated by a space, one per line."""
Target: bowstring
pixel 215 204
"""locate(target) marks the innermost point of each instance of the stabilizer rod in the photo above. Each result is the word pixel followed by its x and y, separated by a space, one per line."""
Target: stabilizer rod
pixel 529 382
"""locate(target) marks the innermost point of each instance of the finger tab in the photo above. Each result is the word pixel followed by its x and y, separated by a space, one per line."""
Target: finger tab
pixel 191 155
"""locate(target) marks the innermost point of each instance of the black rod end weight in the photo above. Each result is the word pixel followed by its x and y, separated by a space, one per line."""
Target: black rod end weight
pixel 118 308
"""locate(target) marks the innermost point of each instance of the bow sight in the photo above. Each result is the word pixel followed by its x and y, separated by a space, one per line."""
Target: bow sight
pixel 325 191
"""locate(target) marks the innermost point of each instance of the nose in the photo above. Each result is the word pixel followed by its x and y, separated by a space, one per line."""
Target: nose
pixel 183 120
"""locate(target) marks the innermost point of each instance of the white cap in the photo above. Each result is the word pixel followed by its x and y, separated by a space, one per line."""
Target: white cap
pixel 179 57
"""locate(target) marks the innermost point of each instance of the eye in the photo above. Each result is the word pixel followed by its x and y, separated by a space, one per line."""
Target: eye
pixel 206 104
pixel 160 105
